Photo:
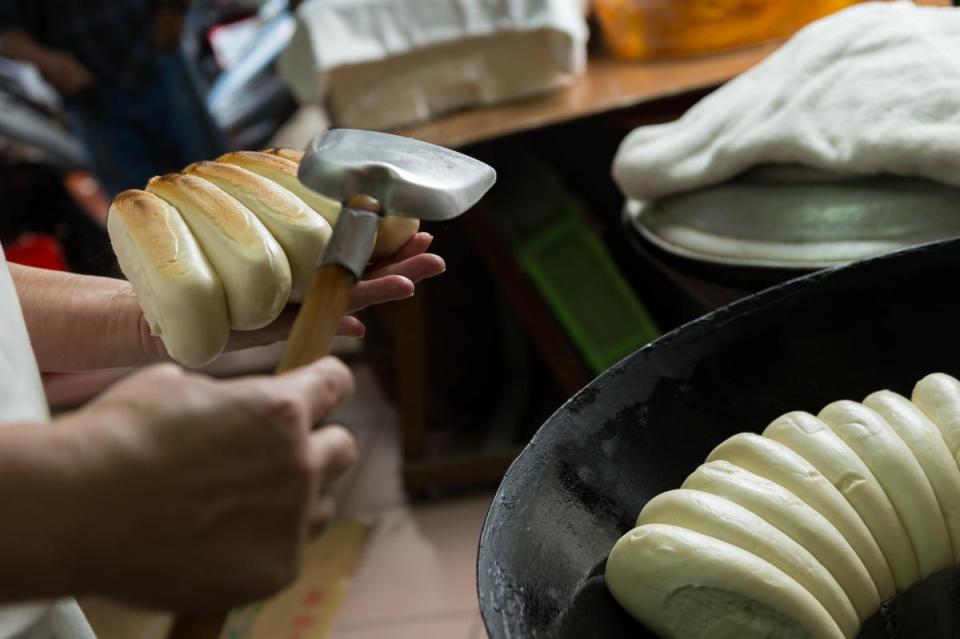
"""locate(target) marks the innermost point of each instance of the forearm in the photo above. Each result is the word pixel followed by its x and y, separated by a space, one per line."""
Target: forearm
pixel 79 322
pixel 38 549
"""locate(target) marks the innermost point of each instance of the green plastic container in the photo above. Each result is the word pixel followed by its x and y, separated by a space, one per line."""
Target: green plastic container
pixel 566 260
pixel 568 263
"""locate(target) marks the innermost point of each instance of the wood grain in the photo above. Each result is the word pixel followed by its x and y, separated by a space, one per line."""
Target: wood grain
pixel 319 318
pixel 607 85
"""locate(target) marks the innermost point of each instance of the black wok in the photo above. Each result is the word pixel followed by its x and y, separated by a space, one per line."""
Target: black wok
pixel 645 424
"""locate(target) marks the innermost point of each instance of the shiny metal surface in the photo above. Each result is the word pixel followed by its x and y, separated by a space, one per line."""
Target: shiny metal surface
pixel 353 235
pixel 407 176
pixel 795 218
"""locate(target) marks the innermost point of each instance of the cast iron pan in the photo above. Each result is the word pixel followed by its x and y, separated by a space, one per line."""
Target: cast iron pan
pixel 641 427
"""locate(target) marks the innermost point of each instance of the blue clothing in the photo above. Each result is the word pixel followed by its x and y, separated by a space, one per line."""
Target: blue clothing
pixel 134 136
pixel 110 37
pixel 142 117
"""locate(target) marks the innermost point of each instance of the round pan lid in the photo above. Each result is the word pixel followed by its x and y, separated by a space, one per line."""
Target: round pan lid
pixel 789 217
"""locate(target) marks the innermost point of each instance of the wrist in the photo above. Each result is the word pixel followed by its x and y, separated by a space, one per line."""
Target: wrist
pixel 151 347
pixel 131 341
pixel 138 344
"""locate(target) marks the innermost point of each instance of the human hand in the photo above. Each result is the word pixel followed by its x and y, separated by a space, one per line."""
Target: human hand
pixel 390 280
pixel 66 72
pixel 195 494
pixel 387 281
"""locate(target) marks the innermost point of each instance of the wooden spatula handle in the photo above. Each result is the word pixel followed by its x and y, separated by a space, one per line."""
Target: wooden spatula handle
pixel 319 317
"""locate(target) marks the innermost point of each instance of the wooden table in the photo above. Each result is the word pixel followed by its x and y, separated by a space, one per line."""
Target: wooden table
pixel 607 85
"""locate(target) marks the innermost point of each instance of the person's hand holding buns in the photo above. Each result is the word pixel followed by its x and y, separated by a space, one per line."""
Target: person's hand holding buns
pixel 169 478
pixel 216 253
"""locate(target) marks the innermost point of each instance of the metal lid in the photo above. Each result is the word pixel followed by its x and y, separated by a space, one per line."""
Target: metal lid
pixel 799 218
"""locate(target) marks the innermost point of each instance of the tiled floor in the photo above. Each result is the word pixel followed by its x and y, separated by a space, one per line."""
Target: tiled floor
pixel 417 574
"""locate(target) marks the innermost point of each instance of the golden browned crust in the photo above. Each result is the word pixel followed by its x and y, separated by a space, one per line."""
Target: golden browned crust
pixel 249 187
pixel 248 159
pixel 146 219
pixel 195 196
pixel 284 173
pixel 294 155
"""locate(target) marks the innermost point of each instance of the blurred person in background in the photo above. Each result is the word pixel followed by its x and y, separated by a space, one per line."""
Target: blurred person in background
pixel 126 89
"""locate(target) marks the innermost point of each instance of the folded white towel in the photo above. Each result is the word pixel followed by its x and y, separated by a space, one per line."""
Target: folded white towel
pixel 386 63
pixel 873 89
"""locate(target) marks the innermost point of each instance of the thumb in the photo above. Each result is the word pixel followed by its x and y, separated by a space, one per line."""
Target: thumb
pixel 333 450
pixel 321 385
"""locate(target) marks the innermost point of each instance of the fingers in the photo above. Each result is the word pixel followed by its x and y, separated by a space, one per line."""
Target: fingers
pixel 333 450
pixel 277 331
pixel 394 281
pixel 416 245
pixel 321 512
pixel 350 326
pixel 388 281
pixel 322 385
pixel 416 268
pixel 379 291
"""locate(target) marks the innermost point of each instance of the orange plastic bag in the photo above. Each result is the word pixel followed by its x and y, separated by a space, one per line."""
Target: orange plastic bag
pixel 649 29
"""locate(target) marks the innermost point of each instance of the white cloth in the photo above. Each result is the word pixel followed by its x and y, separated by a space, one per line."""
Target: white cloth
pixel 873 89
pixel 22 400
pixel 381 63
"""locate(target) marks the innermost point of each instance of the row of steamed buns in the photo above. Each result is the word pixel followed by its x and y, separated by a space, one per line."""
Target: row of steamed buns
pixel 226 245
pixel 805 530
